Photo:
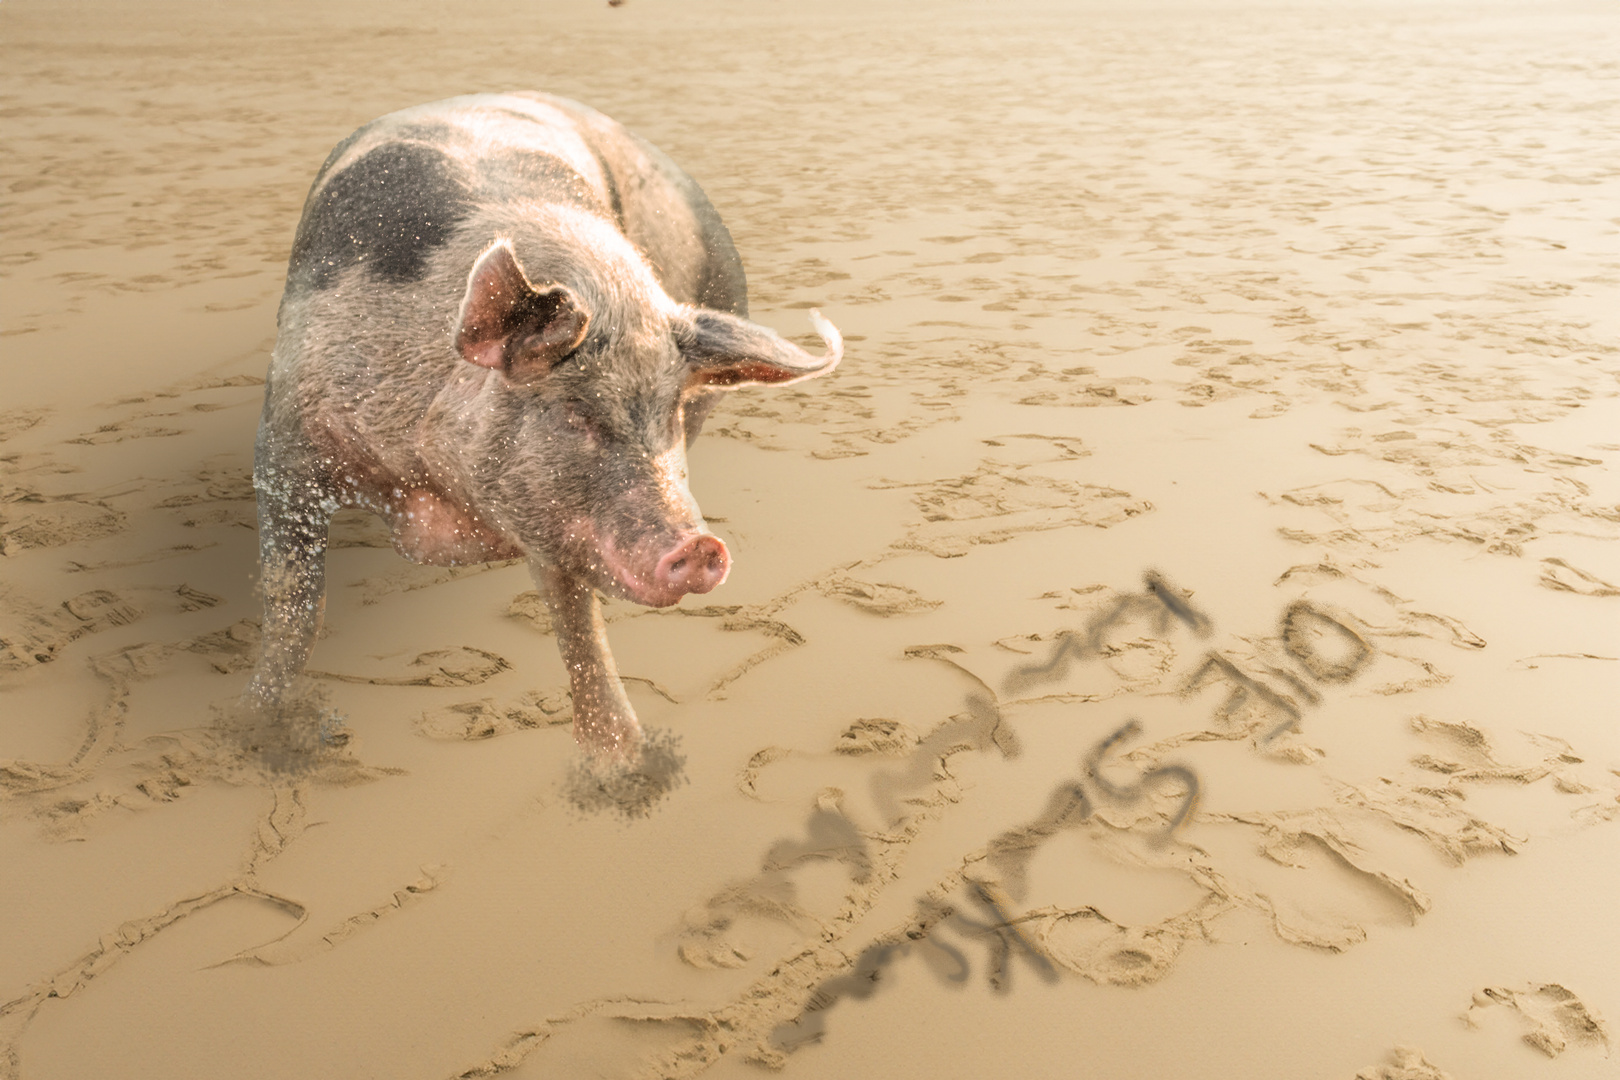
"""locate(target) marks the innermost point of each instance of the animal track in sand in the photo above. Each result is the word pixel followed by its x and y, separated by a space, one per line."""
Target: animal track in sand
pixel 1405 1063
pixel 33 634
pixel 1459 496
pixel 879 598
pixel 1558 574
pixel 461 665
pixel 29 520
pixel 837 421
pixel 485 719
pixel 991 506
pixel 1555 1015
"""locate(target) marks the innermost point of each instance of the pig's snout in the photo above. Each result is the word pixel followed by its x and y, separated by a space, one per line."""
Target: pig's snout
pixel 695 566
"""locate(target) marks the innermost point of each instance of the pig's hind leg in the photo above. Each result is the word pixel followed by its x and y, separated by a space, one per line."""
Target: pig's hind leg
pixel 293 516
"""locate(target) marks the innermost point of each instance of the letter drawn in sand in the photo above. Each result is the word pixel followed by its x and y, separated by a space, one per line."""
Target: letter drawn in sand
pixel 1189 779
pixel 1303 645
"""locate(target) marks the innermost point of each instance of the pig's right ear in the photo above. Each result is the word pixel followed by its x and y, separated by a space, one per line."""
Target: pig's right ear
pixel 508 324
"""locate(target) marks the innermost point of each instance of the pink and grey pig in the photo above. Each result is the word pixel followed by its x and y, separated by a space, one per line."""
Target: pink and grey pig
pixel 505 319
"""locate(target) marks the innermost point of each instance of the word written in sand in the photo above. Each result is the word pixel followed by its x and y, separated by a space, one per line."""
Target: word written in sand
pixel 1162 603
pixel 1324 650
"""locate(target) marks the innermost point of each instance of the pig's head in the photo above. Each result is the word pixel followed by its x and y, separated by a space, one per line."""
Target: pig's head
pixel 581 445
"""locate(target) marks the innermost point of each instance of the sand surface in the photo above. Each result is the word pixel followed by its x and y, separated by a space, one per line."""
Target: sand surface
pixel 1246 371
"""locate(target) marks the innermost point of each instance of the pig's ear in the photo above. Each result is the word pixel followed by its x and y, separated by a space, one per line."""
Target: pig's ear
pixel 722 350
pixel 508 324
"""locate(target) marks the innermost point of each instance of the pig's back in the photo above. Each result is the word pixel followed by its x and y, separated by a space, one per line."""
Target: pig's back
pixel 402 187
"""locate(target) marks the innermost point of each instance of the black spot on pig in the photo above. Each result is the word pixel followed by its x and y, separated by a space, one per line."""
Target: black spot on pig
pixel 387 211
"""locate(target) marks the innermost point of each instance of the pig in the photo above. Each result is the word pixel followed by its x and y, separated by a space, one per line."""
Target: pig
pixel 505 320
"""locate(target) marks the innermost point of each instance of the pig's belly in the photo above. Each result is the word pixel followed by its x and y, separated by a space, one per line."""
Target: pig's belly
pixel 430 528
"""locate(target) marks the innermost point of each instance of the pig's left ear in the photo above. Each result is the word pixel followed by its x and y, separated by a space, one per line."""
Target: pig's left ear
pixel 722 350
pixel 508 324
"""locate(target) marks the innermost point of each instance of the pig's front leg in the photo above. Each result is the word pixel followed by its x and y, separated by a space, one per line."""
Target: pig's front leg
pixel 604 722
pixel 292 565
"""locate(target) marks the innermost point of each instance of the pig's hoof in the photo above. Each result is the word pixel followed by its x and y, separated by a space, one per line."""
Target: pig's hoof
pixel 295 730
pixel 631 789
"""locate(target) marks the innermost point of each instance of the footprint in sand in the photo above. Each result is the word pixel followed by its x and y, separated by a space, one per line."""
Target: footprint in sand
pixel 462 665
pixel 1558 574
pixel 33 634
pixel 1555 1015
pixel 30 520
pixel 879 598
pixel 1405 1063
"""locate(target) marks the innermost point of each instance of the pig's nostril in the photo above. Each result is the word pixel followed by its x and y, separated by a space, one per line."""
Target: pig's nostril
pixel 696 566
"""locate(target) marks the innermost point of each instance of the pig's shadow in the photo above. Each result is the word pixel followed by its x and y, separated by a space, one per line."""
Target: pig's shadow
pixel 632 790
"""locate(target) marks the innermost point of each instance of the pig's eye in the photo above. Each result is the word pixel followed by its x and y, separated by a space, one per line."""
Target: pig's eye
pixel 581 426
pixel 535 344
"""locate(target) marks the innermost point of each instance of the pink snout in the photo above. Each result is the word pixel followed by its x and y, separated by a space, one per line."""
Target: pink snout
pixel 695 566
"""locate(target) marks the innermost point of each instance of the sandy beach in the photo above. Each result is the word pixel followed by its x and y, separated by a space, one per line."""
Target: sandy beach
pixel 1182 638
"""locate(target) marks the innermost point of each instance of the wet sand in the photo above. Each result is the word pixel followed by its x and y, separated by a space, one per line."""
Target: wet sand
pixel 1246 371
